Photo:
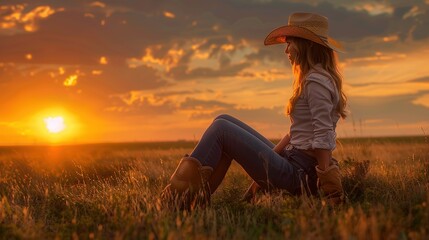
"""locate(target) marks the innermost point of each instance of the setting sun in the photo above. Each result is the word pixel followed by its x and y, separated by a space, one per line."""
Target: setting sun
pixel 55 124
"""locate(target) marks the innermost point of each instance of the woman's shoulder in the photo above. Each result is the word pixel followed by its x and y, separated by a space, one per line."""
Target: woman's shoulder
pixel 317 73
pixel 321 77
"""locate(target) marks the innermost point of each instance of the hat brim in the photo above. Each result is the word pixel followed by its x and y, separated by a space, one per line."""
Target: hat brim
pixel 279 35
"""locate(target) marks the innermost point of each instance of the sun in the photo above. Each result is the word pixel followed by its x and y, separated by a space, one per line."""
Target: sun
pixel 55 124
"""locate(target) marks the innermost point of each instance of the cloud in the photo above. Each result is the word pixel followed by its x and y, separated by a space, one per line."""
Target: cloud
pixel 424 79
pixel 202 58
pixel 131 28
pixel 31 88
pixel 400 109
pixel 20 19
pixel 262 115
pixel 166 94
pixel 119 79
pixel 389 88
pixel 198 104
pixel 144 106
pixel 422 100
pixel 205 72
pixel 378 58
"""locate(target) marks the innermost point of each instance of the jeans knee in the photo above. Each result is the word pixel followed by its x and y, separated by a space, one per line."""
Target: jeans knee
pixel 221 124
pixel 223 116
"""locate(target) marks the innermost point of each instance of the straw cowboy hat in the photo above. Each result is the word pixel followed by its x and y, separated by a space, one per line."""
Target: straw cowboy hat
pixel 310 26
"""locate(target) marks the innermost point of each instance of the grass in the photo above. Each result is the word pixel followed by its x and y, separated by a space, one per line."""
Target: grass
pixel 111 191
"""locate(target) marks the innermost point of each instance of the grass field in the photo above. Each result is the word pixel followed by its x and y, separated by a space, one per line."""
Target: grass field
pixel 111 191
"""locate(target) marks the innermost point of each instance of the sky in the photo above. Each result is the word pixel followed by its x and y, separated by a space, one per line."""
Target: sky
pixel 130 70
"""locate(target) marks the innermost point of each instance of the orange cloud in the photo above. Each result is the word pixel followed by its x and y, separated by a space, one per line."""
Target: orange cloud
pixel 227 47
pixel 103 60
pixel 98 4
pixel 169 14
pixel 393 89
pixel 15 19
pixel 71 81
pixel 391 38
pixel 378 57
pixel 414 11
pixel 164 63
pixel 267 75
pixel 96 72
pixel 374 8
pixel 423 100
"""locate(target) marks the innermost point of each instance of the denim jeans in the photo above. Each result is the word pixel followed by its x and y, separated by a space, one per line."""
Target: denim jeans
pixel 227 139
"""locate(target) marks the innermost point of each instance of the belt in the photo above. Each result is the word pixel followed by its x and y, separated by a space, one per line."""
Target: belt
pixel 308 152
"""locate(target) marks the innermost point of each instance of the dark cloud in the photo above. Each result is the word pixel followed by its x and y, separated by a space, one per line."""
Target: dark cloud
pixel 271 116
pixel 424 79
pixel 164 94
pixel 73 39
pixel 70 37
pixel 371 84
pixel 273 53
pixel 365 108
pixel 120 79
pixel 68 33
pixel 198 104
pixel 274 115
pixel 206 72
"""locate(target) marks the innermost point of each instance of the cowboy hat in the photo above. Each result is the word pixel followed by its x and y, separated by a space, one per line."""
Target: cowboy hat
pixel 309 26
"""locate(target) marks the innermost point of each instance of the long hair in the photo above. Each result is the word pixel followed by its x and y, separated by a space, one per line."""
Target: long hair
pixel 309 54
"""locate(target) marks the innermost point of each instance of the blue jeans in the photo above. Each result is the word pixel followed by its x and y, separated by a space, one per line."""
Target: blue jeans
pixel 227 139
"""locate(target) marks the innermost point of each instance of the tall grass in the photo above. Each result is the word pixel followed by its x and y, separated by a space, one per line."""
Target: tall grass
pixel 95 192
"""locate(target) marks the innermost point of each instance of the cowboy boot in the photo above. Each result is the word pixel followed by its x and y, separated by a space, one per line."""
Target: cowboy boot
pixel 219 173
pixel 189 184
pixel 250 194
pixel 329 183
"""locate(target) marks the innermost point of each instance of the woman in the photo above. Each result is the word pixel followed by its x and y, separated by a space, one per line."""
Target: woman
pixel 304 156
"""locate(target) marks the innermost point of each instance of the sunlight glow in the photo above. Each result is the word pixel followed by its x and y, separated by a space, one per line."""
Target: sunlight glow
pixel 55 124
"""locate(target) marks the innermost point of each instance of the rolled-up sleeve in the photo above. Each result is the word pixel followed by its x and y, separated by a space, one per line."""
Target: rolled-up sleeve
pixel 321 105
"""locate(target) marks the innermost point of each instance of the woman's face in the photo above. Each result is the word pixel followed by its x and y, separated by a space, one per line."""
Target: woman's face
pixel 291 51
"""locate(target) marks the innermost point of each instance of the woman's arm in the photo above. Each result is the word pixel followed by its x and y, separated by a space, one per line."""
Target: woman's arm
pixel 320 99
pixel 282 144
pixel 323 157
pixel 254 187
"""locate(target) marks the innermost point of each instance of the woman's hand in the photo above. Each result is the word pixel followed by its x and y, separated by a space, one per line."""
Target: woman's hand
pixel 254 187
pixel 282 144
pixel 323 157
pixel 329 177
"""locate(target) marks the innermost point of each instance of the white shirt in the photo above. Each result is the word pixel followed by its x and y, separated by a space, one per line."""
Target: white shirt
pixel 314 116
